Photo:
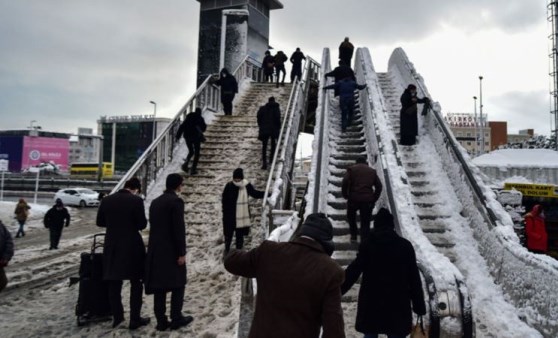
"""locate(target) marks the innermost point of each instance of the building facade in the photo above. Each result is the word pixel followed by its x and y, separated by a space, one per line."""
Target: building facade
pixel 499 134
pixel 85 147
pixel 245 35
pixel 466 130
pixel 125 138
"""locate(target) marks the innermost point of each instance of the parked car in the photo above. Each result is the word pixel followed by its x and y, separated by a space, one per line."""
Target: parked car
pixel 44 168
pixel 82 197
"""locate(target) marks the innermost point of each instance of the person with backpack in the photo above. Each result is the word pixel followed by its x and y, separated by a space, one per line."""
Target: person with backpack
pixel 56 218
pixel 268 65
pixel 229 88
pixel 296 60
pixel 192 128
pixel 279 59
pixel 346 88
pixel 269 123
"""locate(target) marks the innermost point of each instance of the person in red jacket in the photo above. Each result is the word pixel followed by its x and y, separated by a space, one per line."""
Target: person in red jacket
pixel 535 229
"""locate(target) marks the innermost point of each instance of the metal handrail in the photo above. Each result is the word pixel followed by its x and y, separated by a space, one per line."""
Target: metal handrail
pixel 161 151
pixel 285 150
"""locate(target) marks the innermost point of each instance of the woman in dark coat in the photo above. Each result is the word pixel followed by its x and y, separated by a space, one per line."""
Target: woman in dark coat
pixel 123 215
pixel 408 115
pixel 390 282
pixel 229 88
pixel 268 65
pixel 236 213
pixel 165 269
pixel 192 128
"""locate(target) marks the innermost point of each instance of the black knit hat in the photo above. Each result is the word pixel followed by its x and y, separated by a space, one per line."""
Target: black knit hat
pixel 238 173
pixel 59 203
pixel 319 228
pixel 383 219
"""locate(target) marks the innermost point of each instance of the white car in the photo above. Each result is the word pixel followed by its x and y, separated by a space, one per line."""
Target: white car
pixel 78 196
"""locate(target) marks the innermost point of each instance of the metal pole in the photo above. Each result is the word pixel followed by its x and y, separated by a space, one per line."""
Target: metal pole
pixel 223 36
pixel 36 187
pixel 2 187
pixel 554 5
pixel 481 117
pixel 476 150
pixel 101 158
pixel 154 120
pixel 113 146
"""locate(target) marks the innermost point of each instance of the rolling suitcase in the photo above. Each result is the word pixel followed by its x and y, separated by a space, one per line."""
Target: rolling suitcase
pixel 93 296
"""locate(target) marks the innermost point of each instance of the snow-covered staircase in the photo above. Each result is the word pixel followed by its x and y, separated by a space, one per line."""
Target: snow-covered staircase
pixel 427 200
pixel 345 148
pixel 231 142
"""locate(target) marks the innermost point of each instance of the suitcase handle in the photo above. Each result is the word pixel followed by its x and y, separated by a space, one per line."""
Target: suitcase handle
pixel 98 242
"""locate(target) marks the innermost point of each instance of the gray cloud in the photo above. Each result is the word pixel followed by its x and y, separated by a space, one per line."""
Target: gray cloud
pixel 522 110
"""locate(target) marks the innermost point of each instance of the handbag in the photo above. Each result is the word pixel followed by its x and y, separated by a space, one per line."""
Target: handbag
pixel 419 331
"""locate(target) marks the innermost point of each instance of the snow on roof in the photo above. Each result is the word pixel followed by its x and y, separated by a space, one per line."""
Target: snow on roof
pixel 542 158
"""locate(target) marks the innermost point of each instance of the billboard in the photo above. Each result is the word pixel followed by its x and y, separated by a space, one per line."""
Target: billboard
pixel 38 150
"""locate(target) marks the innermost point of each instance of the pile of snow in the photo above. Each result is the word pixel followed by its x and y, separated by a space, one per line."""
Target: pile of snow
pixel 533 158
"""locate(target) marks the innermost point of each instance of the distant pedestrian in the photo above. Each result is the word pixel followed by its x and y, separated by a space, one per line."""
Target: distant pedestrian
pixel 298 284
pixel 123 215
pixel 6 253
pixel 390 282
pixel 296 60
pixel 279 59
pixel 192 128
pixel 21 214
pixel 229 88
pixel 235 208
pixel 269 123
pixel 346 50
pixel 409 115
pixel 268 65
pixel 535 230
pixel 341 72
pixel 362 188
pixel 346 88
pixel 166 255
pixel 56 218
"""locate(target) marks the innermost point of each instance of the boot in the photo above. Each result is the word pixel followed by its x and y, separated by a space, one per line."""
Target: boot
pixel 193 171
pixel 180 322
pixel 185 167
pixel 134 324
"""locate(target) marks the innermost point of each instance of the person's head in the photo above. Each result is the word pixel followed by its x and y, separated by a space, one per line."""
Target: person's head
pixel 361 160
pixel 346 39
pixel 21 200
pixel 383 219
pixel 58 203
pixel 133 185
pixel 341 63
pixel 412 88
pixel 267 52
pixel 319 228
pixel 297 49
pixel 537 210
pixel 224 72
pixel 271 99
pixel 198 111
pixel 238 175
pixel 174 182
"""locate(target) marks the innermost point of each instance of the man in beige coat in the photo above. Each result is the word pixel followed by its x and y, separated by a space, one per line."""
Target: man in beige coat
pixel 298 284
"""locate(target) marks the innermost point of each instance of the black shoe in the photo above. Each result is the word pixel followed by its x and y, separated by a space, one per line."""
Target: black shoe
pixel 162 326
pixel 181 322
pixel 17 236
pixel 264 166
pixel 23 233
pixel 185 167
pixel 134 324
pixel 116 321
pixel 193 172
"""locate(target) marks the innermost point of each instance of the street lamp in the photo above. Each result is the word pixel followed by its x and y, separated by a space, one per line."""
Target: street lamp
pixel 476 150
pixel 225 12
pixel 481 117
pixel 154 122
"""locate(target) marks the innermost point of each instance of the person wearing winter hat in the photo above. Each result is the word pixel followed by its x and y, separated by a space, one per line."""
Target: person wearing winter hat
pixel 56 218
pixel 236 212
pixel 298 283
pixel 384 304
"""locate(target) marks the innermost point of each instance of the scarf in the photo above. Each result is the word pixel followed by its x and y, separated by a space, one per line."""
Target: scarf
pixel 242 210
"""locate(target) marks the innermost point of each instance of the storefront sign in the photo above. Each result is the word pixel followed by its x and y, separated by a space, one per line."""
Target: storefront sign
pixel 534 190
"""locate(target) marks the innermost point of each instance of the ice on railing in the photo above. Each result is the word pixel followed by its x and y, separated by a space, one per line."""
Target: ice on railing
pixel 284 232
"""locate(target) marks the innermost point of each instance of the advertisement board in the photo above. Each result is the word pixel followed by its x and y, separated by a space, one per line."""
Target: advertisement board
pixel 37 150
pixel 534 190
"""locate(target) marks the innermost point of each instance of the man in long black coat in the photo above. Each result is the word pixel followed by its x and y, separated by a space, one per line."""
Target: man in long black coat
pixel 390 281
pixel 123 215
pixel 269 123
pixel 296 60
pixel 229 88
pixel 346 50
pixel 55 219
pixel 166 255
pixel 230 201
pixel 192 128
pixel 409 115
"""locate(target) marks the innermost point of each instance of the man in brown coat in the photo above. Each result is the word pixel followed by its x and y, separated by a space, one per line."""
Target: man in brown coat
pixel 362 188
pixel 298 284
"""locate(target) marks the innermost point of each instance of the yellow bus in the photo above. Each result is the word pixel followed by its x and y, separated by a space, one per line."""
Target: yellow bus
pixel 91 169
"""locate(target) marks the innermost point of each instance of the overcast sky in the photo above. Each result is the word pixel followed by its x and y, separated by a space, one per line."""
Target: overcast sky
pixel 65 63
